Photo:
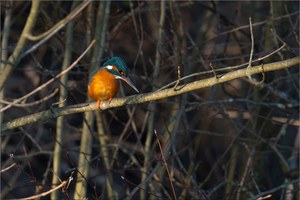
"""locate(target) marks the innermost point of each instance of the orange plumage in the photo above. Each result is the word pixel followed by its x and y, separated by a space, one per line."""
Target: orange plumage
pixel 103 86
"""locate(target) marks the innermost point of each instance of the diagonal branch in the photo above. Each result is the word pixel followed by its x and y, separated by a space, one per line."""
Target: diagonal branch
pixel 14 58
pixel 52 79
pixel 51 32
pixel 142 98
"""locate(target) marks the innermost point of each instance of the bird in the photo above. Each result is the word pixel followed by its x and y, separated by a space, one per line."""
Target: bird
pixel 104 83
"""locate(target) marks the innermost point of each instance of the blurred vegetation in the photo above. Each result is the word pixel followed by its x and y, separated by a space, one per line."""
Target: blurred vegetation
pixel 235 140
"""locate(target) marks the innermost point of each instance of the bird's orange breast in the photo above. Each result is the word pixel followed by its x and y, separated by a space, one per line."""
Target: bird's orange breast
pixel 103 86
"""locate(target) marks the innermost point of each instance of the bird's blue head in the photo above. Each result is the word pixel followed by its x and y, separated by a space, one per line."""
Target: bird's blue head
pixel 117 67
pixel 119 63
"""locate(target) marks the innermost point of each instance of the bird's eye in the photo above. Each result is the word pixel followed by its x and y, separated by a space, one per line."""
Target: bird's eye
pixel 122 73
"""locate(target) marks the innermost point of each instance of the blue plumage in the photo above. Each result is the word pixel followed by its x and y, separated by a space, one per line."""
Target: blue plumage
pixel 118 62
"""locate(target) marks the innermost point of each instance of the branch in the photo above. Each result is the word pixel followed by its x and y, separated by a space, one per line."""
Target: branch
pixel 52 79
pixel 152 106
pixel 64 185
pixel 57 153
pixel 142 98
pixel 14 58
pixel 166 165
pixel 60 24
pixel 24 105
pixel 48 34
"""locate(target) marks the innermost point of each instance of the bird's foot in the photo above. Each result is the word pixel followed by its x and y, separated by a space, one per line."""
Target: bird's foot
pixel 98 104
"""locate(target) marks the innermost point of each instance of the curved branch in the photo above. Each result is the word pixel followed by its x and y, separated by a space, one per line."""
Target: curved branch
pixel 52 79
pixel 60 24
pixel 48 34
pixel 14 58
pixel 23 105
pixel 142 98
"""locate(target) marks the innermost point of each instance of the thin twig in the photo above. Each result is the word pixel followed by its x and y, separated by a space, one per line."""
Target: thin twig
pixel 7 168
pixel 255 24
pixel 252 42
pixel 251 57
pixel 265 197
pixel 52 79
pixel 225 68
pixel 213 70
pixel 152 106
pixel 62 185
pixel 246 171
pixel 132 183
pixel 266 194
pixel 47 35
pixel 15 56
pixel 4 44
pixel 88 122
pixel 178 77
pixel 57 152
pixel 23 105
pixel 166 165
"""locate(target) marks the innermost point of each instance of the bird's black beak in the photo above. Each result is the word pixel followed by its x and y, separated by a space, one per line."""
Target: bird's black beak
pixel 129 82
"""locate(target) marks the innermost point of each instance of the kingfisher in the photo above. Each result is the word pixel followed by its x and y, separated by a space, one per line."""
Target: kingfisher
pixel 104 83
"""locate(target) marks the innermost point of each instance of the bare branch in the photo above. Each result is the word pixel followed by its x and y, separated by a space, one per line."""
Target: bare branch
pixel 53 79
pixel 142 98
pixel 14 58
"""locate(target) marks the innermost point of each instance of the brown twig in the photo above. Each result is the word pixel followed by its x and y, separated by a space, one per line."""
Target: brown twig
pixel 15 57
pixel 265 197
pixel 88 121
pixel 251 57
pixel 166 165
pixel 23 105
pixel 268 194
pixel 63 185
pixel 152 106
pixel 255 24
pixel 57 153
pixel 178 77
pixel 48 34
pixel 7 168
pixel 246 171
pixel 132 183
pixel 52 79
pixel 213 70
pixel 225 68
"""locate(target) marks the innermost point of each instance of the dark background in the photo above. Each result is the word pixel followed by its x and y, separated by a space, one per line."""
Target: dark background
pixel 234 140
